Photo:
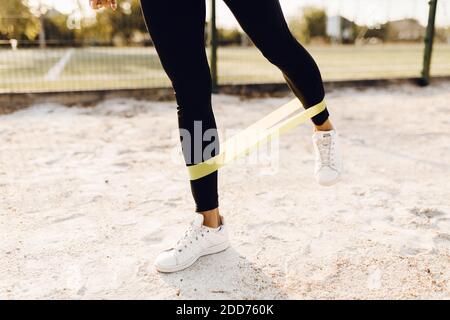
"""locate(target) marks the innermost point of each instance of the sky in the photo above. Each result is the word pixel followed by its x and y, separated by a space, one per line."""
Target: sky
pixel 362 11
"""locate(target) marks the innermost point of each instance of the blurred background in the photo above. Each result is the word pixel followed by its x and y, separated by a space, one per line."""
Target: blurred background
pixel 54 45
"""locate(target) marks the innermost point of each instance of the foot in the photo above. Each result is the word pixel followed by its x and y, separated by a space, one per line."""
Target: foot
pixel 328 166
pixel 197 241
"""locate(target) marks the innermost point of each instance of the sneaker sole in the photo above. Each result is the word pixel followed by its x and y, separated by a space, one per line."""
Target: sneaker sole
pixel 330 183
pixel 212 250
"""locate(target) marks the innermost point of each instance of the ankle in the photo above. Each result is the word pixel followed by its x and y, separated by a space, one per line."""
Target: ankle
pixel 211 218
pixel 326 126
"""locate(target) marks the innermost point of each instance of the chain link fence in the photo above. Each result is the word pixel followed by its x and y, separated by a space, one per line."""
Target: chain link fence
pixel 46 50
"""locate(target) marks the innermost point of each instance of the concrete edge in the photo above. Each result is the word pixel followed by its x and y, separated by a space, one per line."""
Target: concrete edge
pixel 11 102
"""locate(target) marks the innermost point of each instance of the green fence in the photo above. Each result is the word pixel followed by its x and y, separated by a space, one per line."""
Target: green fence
pixel 72 64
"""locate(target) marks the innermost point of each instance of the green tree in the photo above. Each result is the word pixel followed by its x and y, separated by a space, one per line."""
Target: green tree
pixel 39 9
pixel 229 36
pixel 56 29
pixel 313 23
pixel 96 30
pixel 127 20
pixel 17 21
pixel 108 25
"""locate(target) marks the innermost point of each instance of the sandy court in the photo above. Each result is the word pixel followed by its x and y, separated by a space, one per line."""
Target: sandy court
pixel 89 196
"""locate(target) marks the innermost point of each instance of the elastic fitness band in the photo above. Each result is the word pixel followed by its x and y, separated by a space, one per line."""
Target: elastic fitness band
pixel 259 133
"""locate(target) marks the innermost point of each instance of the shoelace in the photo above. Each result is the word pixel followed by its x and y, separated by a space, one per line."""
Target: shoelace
pixel 193 233
pixel 325 146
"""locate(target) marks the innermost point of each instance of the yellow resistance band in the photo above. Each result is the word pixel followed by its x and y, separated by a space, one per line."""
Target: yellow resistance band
pixel 261 132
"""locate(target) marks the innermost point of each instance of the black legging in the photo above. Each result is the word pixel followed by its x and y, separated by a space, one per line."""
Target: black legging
pixel 177 29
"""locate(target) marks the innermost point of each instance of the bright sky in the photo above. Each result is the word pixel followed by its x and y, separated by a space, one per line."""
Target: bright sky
pixel 362 11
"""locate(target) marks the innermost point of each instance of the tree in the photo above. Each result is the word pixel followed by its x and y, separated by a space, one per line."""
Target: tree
pixel 127 20
pixel 443 35
pixel 229 36
pixel 28 19
pixel 17 21
pixel 39 9
pixel 378 32
pixel 56 28
pixel 122 24
pixel 313 23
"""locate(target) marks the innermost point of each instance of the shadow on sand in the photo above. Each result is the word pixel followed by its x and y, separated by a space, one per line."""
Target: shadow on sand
pixel 227 275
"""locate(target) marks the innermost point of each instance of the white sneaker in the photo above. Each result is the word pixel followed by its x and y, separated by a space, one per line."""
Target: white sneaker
pixel 328 166
pixel 197 241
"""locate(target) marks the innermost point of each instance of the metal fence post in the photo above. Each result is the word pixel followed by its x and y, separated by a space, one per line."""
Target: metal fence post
pixel 213 44
pixel 429 40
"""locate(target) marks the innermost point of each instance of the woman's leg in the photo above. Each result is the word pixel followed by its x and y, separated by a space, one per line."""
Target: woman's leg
pixel 266 26
pixel 177 30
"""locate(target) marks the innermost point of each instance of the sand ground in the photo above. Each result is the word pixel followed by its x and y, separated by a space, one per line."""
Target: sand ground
pixel 89 196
